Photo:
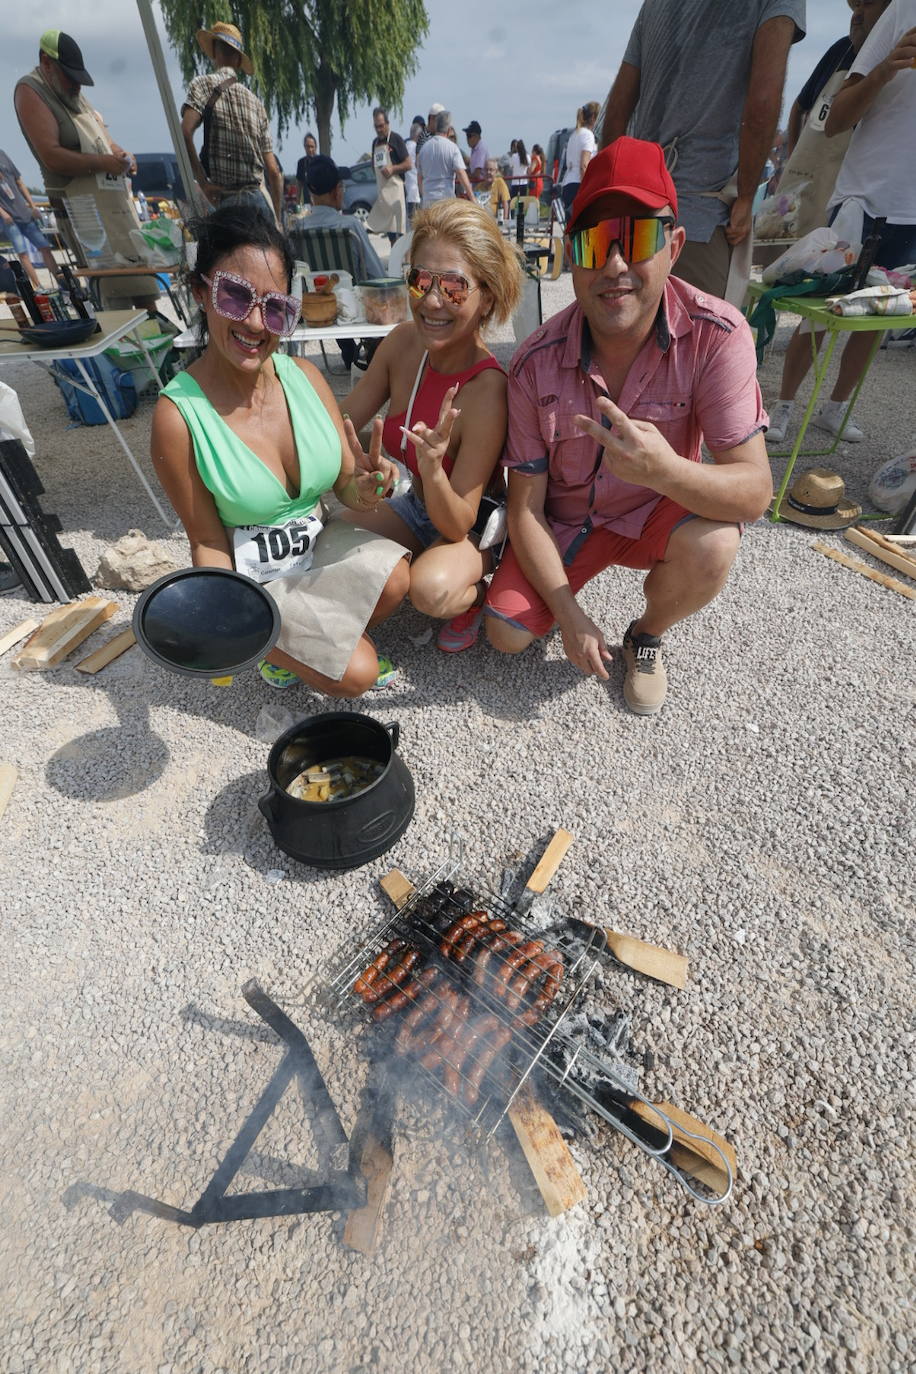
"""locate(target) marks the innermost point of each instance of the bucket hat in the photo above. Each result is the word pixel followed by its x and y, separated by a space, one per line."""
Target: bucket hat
pixel 229 34
pixel 818 499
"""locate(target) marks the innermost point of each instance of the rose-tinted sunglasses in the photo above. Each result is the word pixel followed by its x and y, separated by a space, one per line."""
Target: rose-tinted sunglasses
pixel 452 286
pixel 637 238
pixel 234 298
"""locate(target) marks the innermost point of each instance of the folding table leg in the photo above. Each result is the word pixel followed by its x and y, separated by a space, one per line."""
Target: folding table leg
pixel 90 387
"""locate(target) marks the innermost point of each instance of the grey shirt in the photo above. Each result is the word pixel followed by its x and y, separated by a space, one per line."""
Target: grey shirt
pixel 694 60
pixel 326 217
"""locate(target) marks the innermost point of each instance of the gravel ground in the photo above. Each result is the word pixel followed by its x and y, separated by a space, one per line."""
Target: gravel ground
pixel 760 823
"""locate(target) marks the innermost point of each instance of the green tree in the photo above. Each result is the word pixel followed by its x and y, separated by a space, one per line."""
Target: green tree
pixel 309 54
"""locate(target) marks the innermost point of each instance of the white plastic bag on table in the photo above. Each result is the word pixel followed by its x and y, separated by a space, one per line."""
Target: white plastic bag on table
pixel 818 253
pixel 12 420
pixel 778 215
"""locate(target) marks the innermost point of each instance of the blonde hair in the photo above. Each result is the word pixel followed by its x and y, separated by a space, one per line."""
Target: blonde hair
pixel 494 261
pixel 589 113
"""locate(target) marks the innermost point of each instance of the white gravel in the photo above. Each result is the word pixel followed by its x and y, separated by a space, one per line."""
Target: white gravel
pixel 763 823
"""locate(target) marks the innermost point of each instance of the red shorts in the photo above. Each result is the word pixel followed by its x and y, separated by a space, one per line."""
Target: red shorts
pixel 512 598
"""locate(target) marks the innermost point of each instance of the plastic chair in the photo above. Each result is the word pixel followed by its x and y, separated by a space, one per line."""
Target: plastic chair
pixel 328 250
pixel 398 253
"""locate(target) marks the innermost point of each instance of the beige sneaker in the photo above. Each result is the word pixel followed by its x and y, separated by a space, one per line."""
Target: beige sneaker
pixel 646 683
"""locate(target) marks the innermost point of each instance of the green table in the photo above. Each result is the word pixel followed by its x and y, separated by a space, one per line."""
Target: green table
pixel 822 320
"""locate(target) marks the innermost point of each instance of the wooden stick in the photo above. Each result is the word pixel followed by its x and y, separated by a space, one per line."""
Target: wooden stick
pixel 13 636
pixel 550 861
pixel 397 887
pixel 876 546
pixel 900 538
pixel 666 965
pixel 547 1153
pixel 95 662
pixel 890 583
pixel 7 782
pixel 372 1151
pixel 63 631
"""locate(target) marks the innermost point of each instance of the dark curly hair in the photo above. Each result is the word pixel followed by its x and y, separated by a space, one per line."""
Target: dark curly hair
pixel 219 234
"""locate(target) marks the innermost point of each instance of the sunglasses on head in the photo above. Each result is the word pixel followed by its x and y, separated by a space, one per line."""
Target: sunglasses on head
pixel 452 286
pixel 234 298
pixel 638 238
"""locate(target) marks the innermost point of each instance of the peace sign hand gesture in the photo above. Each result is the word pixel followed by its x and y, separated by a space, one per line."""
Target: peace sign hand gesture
pixel 374 475
pixel 431 445
pixel 634 450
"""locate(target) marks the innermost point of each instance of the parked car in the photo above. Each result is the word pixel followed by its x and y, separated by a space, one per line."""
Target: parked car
pixel 158 177
pixel 360 190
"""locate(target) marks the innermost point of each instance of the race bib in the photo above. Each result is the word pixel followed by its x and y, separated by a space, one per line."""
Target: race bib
pixel 819 112
pixel 380 156
pixel 263 552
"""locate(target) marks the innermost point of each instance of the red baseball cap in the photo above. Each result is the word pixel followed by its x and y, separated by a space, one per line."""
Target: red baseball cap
pixel 631 167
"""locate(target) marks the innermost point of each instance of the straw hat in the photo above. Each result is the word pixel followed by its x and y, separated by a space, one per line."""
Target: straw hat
pixel 818 498
pixel 229 34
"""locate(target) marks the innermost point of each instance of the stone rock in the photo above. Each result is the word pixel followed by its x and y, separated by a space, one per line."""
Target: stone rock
pixel 132 564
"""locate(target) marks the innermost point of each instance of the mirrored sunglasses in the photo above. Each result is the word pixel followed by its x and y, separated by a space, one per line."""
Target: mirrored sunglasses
pixel 452 286
pixel 234 298
pixel 637 238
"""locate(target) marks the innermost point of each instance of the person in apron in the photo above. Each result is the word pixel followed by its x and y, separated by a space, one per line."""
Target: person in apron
pixel 85 173
pixel 391 160
pixel 811 170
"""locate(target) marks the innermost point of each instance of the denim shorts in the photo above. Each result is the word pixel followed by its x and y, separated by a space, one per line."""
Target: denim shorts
pixel 412 511
pixel 409 508
pixel 21 233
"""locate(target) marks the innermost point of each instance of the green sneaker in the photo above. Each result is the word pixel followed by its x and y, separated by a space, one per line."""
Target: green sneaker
pixel 277 677
pixel 387 672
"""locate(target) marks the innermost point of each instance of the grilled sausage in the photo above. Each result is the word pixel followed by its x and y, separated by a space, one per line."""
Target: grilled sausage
pixel 388 979
pixel 519 956
pixel 494 1046
pixel 368 976
pixel 457 928
pixel 396 1001
pixel 418 1014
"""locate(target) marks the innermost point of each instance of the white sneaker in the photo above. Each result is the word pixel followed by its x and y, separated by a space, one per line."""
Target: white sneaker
pixel 780 419
pixel 830 417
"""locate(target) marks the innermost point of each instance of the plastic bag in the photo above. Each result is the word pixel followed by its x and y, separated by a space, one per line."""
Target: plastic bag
pixel 12 420
pixel 778 215
pixel 817 254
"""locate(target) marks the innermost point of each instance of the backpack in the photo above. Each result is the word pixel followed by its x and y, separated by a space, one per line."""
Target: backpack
pixel 116 387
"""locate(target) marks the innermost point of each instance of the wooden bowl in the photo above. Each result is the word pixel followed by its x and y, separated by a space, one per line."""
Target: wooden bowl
pixel 318 309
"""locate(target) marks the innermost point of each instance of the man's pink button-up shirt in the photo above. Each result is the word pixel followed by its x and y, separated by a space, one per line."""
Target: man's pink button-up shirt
pixel 695 378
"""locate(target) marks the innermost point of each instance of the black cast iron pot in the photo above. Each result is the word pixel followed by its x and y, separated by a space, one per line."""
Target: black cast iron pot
pixel 352 830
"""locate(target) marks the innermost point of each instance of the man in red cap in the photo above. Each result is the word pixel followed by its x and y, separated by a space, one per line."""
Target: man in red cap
pixel 609 403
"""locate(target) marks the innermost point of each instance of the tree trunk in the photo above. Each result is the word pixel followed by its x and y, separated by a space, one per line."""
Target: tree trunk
pixel 325 93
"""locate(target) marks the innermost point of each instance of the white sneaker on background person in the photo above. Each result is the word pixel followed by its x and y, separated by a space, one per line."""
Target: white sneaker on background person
pixel 781 413
pixel 830 417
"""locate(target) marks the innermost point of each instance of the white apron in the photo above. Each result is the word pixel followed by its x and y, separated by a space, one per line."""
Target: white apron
pixel 389 213
pixel 816 160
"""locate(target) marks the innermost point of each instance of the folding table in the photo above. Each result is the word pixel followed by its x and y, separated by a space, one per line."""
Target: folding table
pixel 114 325
pixel 821 318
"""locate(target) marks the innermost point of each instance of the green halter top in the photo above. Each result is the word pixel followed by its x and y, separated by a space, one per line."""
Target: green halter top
pixel 246 492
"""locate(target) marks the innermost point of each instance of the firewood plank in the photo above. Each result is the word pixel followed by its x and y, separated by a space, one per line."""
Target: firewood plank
pixel 100 658
pixel 18 632
pixel 547 1153
pixel 63 631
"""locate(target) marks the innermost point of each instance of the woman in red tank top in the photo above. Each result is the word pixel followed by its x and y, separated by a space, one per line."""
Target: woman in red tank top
pixel 446 397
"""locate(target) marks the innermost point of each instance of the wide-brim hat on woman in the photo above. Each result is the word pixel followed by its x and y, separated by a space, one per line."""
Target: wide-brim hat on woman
pixel 228 34
pixel 818 499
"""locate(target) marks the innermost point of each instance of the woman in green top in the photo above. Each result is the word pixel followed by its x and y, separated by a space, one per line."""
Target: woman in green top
pixel 247 440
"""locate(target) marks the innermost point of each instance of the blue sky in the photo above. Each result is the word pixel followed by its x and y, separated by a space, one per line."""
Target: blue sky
pixel 521 69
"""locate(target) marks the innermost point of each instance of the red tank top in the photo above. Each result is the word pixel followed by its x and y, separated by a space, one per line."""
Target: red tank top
pixel 426 407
